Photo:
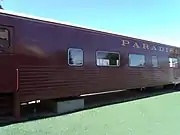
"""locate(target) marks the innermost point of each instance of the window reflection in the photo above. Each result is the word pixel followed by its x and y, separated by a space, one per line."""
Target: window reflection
pixel 4 38
pixel 136 60
pixel 75 57
pixel 154 61
pixel 173 62
pixel 107 58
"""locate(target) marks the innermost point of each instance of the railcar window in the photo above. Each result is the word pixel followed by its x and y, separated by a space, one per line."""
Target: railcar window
pixel 75 57
pixel 107 58
pixel 154 61
pixel 136 60
pixel 4 38
pixel 173 62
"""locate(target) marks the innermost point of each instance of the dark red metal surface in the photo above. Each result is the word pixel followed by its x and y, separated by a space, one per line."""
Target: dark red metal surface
pixel 39 53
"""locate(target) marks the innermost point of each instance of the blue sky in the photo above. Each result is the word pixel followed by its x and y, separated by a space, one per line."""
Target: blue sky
pixel 157 20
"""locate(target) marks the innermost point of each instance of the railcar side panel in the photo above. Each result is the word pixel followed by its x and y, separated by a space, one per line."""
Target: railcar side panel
pixel 41 56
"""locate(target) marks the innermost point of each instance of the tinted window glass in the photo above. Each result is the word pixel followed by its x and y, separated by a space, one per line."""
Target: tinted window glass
pixel 4 38
pixel 107 58
pixel 75 57
pixel 173 62
pixel 136 60
pixel 154 61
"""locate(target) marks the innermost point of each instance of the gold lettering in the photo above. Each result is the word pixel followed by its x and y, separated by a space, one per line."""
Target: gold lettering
pixel 171 50
pixel 161 49
pixel 149 47
pixel 146 46
pixel 153 48
pixel 125 42
pixel 176 51
pixel 136 45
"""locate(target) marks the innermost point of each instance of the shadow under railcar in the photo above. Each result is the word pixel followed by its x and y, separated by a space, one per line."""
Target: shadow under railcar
pixel 46 108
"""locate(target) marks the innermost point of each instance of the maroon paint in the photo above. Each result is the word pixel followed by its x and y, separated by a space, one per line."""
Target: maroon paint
pixel 39 52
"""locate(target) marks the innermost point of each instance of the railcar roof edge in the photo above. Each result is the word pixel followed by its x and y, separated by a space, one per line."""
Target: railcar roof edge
pixel 68 24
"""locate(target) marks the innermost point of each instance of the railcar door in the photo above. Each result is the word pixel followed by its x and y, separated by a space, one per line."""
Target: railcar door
pixel 7 68
pixel 173 70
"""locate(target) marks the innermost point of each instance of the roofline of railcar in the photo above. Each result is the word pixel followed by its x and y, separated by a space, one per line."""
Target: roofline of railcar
pixel 67 24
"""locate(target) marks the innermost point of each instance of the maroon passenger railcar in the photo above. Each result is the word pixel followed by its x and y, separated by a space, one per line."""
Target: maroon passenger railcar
pixel 45 59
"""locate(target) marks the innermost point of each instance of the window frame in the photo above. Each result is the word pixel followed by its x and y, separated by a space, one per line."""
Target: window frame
pixel 177 63
pixel 136 66
pixel 9 37
pixel 73 65
pixel 108 65
pixel 178 57
pixel 157 61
